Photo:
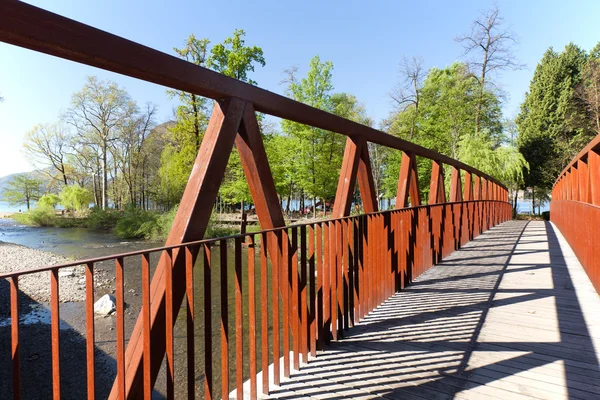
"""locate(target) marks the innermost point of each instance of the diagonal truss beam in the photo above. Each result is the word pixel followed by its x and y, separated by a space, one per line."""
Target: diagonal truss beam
pixel 232 121
pixel 355 166
pixel 408 182
pixel 437 191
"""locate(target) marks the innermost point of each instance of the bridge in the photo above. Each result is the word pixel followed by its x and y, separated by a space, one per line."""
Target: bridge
pixel 443 297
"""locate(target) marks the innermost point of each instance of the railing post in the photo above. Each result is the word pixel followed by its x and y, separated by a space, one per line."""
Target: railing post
pixel 594 167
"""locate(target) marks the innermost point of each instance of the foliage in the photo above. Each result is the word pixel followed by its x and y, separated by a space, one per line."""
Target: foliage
pixel 75 198
pixel 39 216
pixel 102 219
pixel 134 223
pixel 314 148
pixel 553 125
pixel 23 189
pixel 49 200
pixel 234 59
pixel 443 121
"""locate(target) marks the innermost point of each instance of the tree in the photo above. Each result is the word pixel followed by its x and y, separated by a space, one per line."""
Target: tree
pixel 234 59
pixel 315 148
pixel 192 112
pixel 99 111
pixel 48 146
pixel 589 89
pixel 553 123
pixel 75 197
pixel 49 200
pixel 23 189
pixel 407 94
pixel 445 116
pixel 490 46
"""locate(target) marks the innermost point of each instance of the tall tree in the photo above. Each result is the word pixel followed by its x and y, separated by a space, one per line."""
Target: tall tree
pixel 589 88
pixel 489 45
pixel 23 189
pixel 446 102
pixel 99 111
pixel 48 147
pixel 553 124
pixel 407 93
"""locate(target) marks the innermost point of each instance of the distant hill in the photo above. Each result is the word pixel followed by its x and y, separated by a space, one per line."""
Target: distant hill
pixel 5 180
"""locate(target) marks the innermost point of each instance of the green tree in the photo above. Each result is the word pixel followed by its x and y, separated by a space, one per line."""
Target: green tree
pixel 318 152
pixel 75 198
pixel 553 124
pixel 445 117
pixel 99 112
pixel 234 59
pixel 49 200
pixel 23 189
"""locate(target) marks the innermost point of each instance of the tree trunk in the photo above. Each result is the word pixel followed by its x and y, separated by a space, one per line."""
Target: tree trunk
pixel 104 176
pixel 532 200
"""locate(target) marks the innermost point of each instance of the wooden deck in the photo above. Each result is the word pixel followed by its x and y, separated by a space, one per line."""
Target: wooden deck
pixel 512 315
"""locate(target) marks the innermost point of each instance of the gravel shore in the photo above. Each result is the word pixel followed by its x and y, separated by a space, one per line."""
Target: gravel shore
pixel 14 257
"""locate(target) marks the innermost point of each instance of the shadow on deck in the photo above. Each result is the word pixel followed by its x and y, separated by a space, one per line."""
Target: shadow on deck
pixel 512 315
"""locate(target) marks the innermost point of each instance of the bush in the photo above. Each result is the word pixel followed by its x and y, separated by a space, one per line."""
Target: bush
pixel 76 198
pixel 49 200
pixel 136 223
pixel 102 219
pixel 40 216
pixel 162 226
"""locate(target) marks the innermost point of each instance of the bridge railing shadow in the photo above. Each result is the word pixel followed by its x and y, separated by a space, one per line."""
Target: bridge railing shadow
pixel 455 329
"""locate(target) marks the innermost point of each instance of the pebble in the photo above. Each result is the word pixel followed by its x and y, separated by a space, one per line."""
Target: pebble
pixel 14 257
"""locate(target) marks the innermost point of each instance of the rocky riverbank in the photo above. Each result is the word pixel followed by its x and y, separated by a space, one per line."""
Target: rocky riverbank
pixel 14 257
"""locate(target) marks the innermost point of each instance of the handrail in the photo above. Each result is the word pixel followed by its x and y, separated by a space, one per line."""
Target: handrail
pixel 84 261
pixel 575 207
pixel 30 27
pixel 330 275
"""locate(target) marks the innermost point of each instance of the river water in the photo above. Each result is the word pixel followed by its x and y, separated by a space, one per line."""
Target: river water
pixel 81 243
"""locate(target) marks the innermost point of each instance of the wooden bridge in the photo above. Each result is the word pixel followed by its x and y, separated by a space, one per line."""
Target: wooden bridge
pixel 438 300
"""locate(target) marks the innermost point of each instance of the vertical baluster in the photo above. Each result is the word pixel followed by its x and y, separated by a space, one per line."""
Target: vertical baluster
pixel 349 272
pixel 276 236
pixel 55 313
pixel 169 321
pixel 333 267
pixel 340 276
pixel 303 289
pixel 326 283
pixel 224 320
pixel 320 302
pixel 264 313
pixel 146 324
pixel 313 293
pixel 119 283
pixel 239 344
pixel 252 314
pixel 296 323
pixel 361 268
pixel 285 287
pixel 354 292
pixel 208 371
pixel 191 343
pixel 14 336
pixel 89 329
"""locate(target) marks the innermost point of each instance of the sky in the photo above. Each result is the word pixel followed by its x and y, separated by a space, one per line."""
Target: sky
pixel 365 40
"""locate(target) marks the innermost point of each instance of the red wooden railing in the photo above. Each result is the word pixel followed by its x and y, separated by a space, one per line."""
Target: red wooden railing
pixel 481 204
pixel 329 276
pixel 575 207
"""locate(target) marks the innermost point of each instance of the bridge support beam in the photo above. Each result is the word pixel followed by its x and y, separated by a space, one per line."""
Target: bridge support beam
pixel 355 165
pixel 232 121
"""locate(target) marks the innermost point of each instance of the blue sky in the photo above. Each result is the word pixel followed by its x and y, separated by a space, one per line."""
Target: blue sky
pixel 365 40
